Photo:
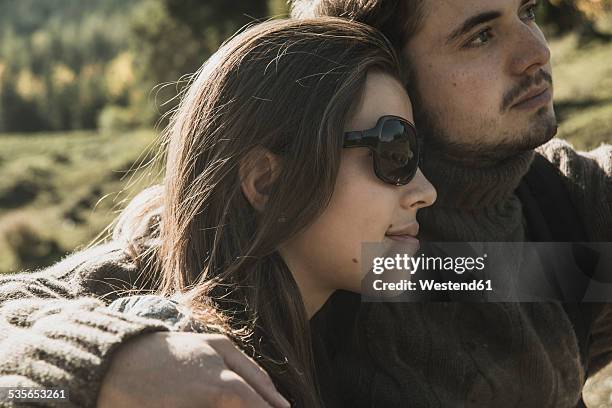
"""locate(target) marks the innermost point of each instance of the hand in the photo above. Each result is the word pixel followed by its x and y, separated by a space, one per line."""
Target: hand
pixel 179 369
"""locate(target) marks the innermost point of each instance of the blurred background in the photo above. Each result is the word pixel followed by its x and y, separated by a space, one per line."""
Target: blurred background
pixel 84 86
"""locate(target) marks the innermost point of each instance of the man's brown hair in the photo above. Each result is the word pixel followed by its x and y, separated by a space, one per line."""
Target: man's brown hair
pixel 399 20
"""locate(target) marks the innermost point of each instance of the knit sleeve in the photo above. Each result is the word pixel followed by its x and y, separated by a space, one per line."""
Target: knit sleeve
pixel 173 313
pixel 601 340
pixel 56 330
pixel 588 177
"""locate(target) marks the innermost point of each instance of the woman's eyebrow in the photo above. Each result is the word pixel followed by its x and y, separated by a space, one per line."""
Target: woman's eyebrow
pixel 471 23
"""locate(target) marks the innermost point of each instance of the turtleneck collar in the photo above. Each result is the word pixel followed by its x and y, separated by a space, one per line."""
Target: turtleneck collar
pixel 474 204
pixel 474 188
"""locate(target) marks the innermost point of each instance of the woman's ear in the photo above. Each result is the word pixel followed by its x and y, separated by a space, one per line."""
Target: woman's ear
pixel 258 171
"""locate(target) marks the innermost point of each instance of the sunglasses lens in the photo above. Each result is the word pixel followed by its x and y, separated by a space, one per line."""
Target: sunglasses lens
pixel 398 154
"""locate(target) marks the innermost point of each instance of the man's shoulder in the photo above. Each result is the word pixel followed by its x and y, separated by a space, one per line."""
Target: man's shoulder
pixel 587 176
pixel 575 164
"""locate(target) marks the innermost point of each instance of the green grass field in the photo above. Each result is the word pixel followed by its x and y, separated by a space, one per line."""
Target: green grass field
pixel 583 91
pixel 58 191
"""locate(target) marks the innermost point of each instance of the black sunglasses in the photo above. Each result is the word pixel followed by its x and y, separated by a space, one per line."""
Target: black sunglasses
pixel 396 146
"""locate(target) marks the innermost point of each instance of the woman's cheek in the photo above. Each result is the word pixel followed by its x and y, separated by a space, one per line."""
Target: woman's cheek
pixel 359 211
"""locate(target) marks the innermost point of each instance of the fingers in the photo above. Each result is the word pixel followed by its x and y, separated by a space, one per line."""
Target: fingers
pixel 247 369
pixel 239 393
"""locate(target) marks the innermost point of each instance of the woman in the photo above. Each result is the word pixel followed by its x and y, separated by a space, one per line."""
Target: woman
pixel 292 146
pixel 264 211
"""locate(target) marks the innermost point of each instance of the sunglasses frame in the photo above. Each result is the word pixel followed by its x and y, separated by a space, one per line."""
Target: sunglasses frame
pixel 371 138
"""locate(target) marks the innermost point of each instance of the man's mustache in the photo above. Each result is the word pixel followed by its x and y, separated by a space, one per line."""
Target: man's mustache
pixel 524 86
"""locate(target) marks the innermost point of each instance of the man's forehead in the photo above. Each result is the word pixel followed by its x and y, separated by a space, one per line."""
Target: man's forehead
pixel 443 17
pixel 437 10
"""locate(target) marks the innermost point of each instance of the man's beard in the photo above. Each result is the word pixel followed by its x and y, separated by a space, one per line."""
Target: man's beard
pixel 480 152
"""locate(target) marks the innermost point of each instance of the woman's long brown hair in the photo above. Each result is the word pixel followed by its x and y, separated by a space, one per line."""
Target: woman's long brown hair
pixel 287 86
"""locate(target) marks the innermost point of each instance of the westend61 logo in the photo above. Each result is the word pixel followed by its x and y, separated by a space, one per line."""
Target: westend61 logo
pixel 487 271
pixel 459 265
pixel 404 264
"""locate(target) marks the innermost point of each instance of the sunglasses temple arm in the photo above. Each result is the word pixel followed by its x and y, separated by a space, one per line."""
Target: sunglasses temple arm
pixel 353 138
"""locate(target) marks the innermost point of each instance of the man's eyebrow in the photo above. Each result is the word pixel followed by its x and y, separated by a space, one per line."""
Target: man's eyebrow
pixel 471 23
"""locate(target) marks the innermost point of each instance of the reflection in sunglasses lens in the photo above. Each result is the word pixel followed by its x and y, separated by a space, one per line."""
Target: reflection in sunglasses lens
pixel 396 152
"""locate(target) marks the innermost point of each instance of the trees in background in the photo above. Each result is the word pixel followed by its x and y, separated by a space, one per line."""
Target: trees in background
pixel 70 64
pixel 575 15
pixel 53 59
pixel 175 37
pixel 112 64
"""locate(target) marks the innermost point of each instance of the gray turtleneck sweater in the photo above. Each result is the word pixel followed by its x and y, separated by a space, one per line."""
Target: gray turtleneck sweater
pixel 57 331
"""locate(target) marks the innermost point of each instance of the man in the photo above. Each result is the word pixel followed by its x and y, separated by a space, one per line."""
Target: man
pixel 479 75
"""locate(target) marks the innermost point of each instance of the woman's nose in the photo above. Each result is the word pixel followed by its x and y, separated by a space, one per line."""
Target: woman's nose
pixel 418 193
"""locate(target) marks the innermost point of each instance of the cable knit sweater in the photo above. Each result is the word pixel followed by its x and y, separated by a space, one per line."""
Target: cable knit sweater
pixel 56 329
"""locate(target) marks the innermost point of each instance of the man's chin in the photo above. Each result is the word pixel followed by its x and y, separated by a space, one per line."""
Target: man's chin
pixel 540 133
pixel 534 141
pixel 539 129
pixel 486 154
pixel 489 150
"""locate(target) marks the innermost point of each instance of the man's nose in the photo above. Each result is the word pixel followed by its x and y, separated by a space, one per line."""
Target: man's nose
pixel 530 51
pixel 418 193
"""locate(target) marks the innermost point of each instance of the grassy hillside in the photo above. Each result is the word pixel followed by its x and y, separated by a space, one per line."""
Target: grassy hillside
pixel 583 91
pixel 58 191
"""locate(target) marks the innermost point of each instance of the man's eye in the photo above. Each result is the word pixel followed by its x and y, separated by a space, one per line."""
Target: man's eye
pixel 482 38
pixel 530 12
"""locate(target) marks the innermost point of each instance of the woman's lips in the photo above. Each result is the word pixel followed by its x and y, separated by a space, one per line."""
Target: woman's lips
pixel 403 238
pixel 402 244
